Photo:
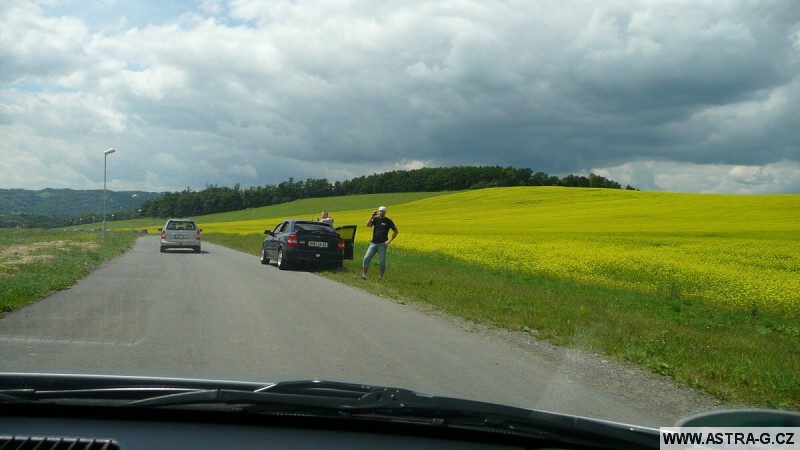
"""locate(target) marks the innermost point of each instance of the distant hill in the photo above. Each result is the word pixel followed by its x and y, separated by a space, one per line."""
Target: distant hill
pixel 70 202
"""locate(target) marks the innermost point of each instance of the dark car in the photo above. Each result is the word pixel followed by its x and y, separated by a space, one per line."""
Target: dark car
pixel 305 241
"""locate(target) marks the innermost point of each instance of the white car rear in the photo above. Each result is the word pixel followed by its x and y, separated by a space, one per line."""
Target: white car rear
pixel 180 233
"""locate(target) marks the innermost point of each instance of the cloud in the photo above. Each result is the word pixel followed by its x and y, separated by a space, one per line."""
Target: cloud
pixel 255 92
pixel 782 177
pixel 37 46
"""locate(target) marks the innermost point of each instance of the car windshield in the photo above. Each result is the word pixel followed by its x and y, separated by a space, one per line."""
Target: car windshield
pixel 584 207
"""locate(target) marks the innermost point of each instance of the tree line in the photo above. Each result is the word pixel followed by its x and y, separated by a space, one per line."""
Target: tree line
pixel 215 199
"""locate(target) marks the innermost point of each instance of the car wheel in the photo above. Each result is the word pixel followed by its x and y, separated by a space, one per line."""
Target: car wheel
pixel 264 259
pixel 162 249
pixel 283 264
pixel 197 249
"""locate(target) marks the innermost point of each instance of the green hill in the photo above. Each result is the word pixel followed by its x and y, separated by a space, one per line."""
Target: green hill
pixel 69 202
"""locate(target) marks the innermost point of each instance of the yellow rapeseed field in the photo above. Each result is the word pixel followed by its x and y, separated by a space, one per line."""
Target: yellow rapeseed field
pixel 729 250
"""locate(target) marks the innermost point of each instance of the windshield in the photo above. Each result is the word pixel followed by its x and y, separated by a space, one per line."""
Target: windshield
pixel 588 208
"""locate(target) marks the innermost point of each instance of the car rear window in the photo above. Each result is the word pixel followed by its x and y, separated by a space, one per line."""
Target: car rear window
pixel 181 226
pixel 310 226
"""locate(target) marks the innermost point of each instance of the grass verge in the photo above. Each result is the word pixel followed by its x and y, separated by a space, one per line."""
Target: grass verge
pixel 34 263
pixel 713 349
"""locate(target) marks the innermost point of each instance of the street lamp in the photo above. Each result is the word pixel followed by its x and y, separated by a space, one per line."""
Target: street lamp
pixel 105 165
pixel 133 207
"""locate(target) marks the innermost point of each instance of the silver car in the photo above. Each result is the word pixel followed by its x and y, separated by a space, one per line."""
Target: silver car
pixel 180 233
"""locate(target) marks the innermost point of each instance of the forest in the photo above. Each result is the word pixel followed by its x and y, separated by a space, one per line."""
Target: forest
pixel 215 199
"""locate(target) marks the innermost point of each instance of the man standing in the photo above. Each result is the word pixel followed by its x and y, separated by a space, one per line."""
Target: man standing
pixel 380 239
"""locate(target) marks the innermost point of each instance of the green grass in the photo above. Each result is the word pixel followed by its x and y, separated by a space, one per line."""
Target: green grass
pixel 301 209
pixel 34 263
pixel 248 243
pixel 311 208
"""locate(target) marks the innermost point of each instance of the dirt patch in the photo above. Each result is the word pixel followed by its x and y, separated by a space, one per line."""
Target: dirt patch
pixel 29 253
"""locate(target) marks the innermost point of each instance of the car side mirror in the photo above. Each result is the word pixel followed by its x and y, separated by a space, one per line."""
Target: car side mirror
pixel 268 232
pixel 742 418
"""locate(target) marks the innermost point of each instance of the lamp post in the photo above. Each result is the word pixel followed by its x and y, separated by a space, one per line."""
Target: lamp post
pixel 133 207
pixel 105 165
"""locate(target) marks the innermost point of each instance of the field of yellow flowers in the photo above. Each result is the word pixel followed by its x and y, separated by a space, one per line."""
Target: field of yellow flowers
pixel 741 252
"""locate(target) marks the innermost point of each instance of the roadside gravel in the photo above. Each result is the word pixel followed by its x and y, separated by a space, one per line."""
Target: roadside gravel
pixel 661 394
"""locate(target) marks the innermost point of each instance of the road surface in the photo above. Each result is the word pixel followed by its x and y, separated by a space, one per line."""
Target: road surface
pixel 221 313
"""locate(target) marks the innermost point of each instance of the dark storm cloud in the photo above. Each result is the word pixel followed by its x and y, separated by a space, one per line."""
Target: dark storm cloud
pixel 255 92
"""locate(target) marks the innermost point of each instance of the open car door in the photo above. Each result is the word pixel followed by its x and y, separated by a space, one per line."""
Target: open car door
pixel 348 234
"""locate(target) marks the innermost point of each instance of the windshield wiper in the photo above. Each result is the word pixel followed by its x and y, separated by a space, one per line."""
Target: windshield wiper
pixel 314 394
pixel 369 402
pixel 34 387
pixel 343 400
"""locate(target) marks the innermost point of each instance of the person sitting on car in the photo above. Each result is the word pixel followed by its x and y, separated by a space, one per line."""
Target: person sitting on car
pixel 326 218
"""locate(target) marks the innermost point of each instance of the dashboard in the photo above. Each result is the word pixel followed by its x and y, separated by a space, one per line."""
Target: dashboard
pixel 56 428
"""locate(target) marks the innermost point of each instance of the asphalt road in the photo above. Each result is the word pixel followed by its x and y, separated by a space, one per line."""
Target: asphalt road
pixel 221 313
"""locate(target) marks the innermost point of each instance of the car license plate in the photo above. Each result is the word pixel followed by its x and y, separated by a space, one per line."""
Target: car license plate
pixel 317 244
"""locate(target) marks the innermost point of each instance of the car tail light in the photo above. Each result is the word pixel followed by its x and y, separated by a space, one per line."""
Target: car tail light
pixel 340 246
pixel 163 234
pixel 198 235
pixel 292 241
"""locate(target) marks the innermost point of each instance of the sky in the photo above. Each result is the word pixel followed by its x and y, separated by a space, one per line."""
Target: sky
pixel 674 95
